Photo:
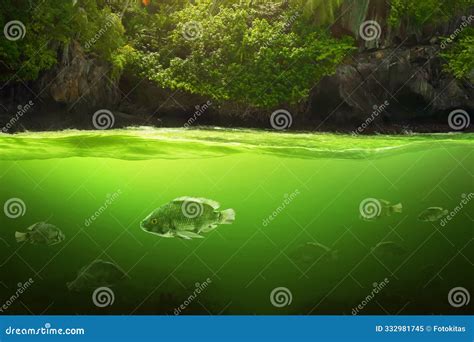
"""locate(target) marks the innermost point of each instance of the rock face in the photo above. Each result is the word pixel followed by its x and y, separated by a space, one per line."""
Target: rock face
pixel 410 79
pixel 79 80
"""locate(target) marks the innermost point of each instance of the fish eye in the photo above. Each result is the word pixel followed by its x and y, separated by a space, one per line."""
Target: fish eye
pixel 154 221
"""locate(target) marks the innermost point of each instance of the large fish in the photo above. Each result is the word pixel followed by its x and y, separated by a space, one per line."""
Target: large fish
pixel 187 218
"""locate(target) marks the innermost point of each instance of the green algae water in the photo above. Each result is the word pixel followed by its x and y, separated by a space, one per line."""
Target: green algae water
pixel 287 189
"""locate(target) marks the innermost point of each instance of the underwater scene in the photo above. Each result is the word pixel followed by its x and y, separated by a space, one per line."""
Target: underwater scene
pixel 234 221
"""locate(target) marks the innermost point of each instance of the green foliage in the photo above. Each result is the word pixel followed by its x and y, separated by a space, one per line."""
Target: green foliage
pixel 236 54
pixel 419 12
pixel 45 27
pixel 257 52
pixel 49 24
pixel 460 55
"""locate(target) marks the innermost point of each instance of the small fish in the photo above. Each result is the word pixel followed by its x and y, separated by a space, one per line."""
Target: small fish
pixel 388 248
pixel 96 274
pixel 186 218
pixel 432 214
pixel 310 252
pixel 379 209
pixel 41 233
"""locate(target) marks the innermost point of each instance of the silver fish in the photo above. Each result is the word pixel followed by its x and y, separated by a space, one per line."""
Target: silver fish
pixel 186 218
pixel 98 273
pixel 432 214
pixel 41 233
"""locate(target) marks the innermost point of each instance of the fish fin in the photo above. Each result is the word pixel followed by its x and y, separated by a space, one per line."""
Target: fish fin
pixel 21 237
pixel 211 203
pixel 208 228
pixel 30 228
pixel 397 208
pixel 188 235
pixel 227 216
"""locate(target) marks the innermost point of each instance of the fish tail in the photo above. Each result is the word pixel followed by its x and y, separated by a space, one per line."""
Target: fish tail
pixel 397 208
pixel 227 216
pixel 21 237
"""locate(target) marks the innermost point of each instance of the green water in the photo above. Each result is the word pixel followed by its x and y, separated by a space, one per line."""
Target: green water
pixel 320 180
